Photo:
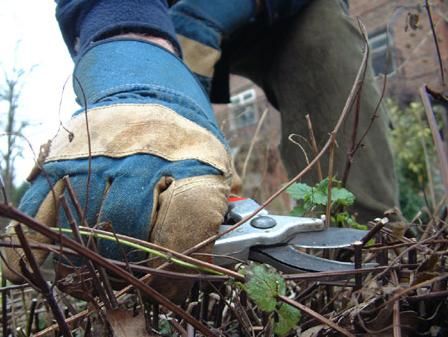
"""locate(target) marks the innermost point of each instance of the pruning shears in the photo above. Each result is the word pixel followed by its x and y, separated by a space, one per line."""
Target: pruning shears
pixel 278 240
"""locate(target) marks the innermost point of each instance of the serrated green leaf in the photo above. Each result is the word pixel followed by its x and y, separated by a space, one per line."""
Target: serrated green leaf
pixel 342 218
pixel 165 328
pixel 299 210
pixel 288 318
pixel 322 185
pixel 263 285
pixel 319 197
pixel 308 205
pixel 299 191
pixel 342 196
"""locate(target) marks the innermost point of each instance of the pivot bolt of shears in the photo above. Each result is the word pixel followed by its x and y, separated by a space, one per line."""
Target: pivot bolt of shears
pixel 263 222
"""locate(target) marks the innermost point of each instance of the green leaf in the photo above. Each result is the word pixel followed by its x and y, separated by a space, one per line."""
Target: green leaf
pixel 299 191
pixel 342 196
pixel 342 218
pixel 313 200
pixel 263 285
pixel 322 185
pixel 288 318
pixel 319 197
pixel 165 328
pixel 320 192
pixel 309 206
pixel 356 225
pixel 299 210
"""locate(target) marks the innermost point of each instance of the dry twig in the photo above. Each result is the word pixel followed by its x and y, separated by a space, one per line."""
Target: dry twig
pixel 20 217
pixel 436 42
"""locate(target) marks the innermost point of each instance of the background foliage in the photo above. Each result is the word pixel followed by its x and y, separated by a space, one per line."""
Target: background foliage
pixel 415 157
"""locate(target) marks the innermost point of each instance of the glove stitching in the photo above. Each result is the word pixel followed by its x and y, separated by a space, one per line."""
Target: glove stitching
pixel 97 97
pixel 195 181
pixel 142 150
pixel 80 116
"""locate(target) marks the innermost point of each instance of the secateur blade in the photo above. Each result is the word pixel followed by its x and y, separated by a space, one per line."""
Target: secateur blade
pixel 289 260
pixel 329 238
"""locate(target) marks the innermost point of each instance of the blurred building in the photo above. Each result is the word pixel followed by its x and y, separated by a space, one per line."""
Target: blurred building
pixel 252 128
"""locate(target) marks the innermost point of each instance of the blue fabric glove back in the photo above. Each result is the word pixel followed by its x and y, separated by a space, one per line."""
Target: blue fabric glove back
pixel 121 183
pixel 151 162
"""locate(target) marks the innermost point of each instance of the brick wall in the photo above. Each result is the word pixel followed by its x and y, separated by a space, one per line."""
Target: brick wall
pixel 412 46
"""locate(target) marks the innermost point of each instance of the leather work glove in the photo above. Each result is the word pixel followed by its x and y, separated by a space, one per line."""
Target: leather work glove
pixel 159 170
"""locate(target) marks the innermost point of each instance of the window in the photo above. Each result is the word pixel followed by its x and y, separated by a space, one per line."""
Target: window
pixel 381 50
pixel 244 110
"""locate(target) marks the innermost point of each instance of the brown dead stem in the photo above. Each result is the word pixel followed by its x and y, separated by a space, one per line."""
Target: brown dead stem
pixel 20 217
pixel 314 146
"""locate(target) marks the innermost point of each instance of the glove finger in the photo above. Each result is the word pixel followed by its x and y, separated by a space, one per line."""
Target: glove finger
pixel 127 207
pixel 72 276
pixel 94 188
pixel 190 210
pixel 38 202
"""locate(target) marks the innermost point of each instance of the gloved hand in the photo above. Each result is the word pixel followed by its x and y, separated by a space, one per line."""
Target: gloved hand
pixel 159 170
